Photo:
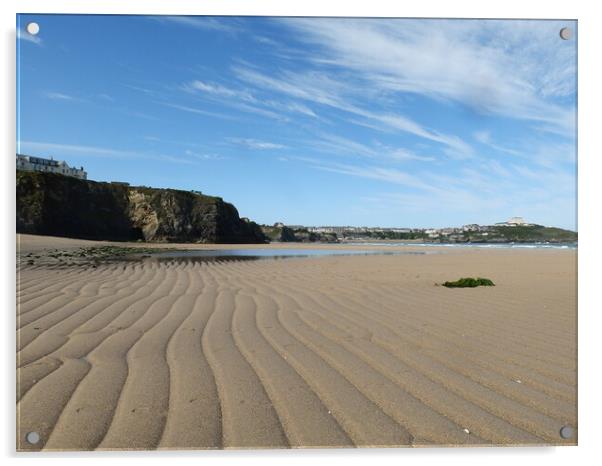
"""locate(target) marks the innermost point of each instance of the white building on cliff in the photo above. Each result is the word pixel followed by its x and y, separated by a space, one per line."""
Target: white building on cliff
pixel 514 221
pixel 39 164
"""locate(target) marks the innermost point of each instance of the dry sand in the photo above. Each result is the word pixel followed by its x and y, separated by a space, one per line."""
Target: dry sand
pixel 305 352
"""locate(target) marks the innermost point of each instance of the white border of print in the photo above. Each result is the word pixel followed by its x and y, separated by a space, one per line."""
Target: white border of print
pixel 589 224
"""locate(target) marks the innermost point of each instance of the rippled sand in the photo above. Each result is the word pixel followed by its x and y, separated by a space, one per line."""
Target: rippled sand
pixel 305 352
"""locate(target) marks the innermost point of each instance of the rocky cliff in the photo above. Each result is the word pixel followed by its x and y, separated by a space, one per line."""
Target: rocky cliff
pixel 53 204
pixel 284 234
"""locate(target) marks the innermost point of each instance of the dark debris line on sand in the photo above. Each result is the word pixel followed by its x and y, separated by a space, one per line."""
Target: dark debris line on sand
pixel 86 256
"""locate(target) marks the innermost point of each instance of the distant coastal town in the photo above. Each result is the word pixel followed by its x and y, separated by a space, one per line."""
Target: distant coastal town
pixel 452 233
pixel 515 229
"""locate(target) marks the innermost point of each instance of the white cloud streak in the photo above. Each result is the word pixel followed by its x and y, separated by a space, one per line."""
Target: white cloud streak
pixel 45 149
pixel 203 156
pixel 256 144
pixel 24 35
pixel 484 137
pixel 197 111
pixel 244 100
pixel 321 89
pixel 206 23
pixel 217 90
pixel 58 96
pixel 335 144
pixel 498 67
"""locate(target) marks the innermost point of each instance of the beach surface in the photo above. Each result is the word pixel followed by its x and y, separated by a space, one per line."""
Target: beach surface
pixel 332 351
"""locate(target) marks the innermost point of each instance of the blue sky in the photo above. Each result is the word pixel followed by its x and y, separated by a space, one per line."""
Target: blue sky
pixel 321 121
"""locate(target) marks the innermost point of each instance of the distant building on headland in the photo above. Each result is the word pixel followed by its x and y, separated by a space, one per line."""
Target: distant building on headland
pixel 39 164
pixel 514 222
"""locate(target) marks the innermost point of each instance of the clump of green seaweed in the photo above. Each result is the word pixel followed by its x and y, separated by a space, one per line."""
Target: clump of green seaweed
pixel 469 283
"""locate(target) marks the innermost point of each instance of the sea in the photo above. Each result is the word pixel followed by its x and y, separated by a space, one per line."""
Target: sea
pixel 208 255
pixel 471 245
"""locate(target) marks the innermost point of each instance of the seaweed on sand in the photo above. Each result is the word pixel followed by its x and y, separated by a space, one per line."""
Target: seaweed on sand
pixel 469 283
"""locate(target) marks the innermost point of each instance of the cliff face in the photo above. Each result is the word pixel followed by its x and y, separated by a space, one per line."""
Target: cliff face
pixel 286 234
pixel 52 204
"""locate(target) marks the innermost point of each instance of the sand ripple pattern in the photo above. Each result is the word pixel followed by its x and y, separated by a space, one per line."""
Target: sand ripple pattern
pixel 323 352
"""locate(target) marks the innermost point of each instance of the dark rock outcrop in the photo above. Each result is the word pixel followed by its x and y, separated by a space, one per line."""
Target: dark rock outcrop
pixel 53 204
pixel 279 233
pixel 286 234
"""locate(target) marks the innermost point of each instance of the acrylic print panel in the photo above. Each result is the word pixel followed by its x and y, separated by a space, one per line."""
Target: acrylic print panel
pixel 248 232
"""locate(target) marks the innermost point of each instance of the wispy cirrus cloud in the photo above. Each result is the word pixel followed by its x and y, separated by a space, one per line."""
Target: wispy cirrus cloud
pixel 169 141
pixel 497 67
pixel 551 154
pixel 24 35
pixel 206 23
pixel 45 149
pixel 256 144
pixel 143 90
pixel 405 154
pixel 246 101
pixel 336 144
pixel 219 90
pixel 204 156
pixel 105 97
pixel 96 100
pixel 311 86
pixel 198 111
pixel 484 137
pixel 456 147
pixel 414 182
pixel 300 108
pixel 59 96
pixel 322 89
pixel 480 192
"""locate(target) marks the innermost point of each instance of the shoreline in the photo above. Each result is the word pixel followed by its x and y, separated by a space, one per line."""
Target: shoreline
pixel 39 251
pixel 31 243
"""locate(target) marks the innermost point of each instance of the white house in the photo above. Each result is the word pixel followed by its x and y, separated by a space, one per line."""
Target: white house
pixel 39 164
pixel 513 222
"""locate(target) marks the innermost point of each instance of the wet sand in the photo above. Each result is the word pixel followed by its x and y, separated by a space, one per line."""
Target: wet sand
pixel 336 351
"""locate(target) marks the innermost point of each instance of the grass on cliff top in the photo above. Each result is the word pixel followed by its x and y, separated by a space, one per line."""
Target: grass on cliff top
pixel 469 283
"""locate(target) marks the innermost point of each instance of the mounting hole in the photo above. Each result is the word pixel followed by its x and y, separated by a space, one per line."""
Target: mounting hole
pixel 32 437
pixel 566 33
pixel 33 28
pixel 566 432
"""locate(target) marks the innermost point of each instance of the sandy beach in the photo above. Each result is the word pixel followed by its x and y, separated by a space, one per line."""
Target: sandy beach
pixel 334 351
